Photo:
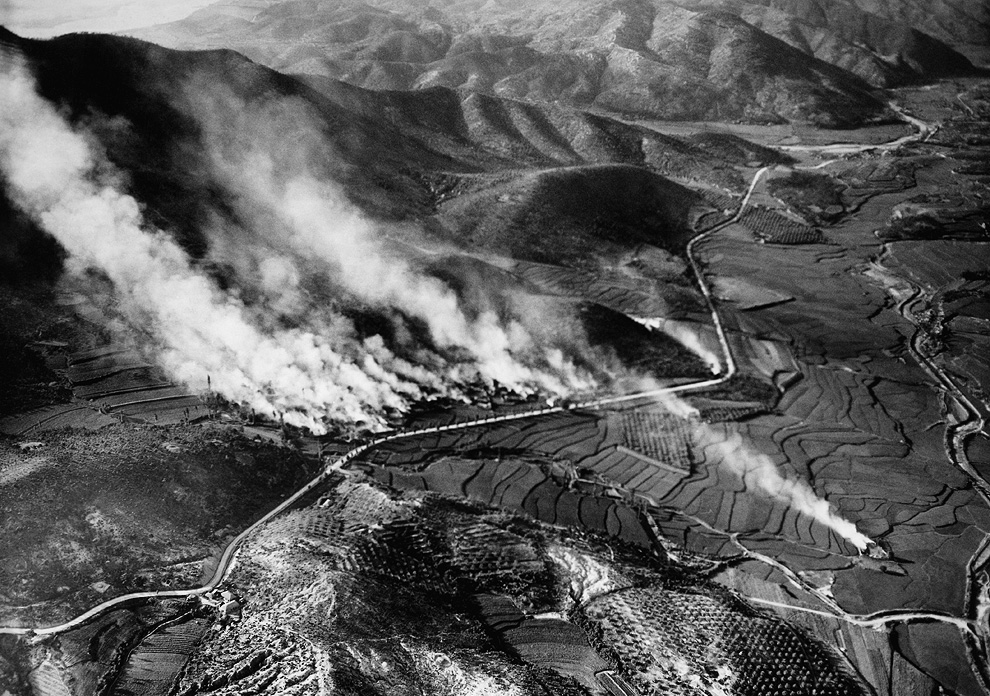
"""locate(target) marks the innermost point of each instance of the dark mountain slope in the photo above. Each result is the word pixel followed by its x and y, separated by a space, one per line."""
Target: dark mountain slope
pixel 397 155
pixel 573 214
pixel 882 51
pixel 963 24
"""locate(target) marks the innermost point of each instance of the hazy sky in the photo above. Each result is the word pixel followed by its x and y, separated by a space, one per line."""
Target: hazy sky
pixel 43 18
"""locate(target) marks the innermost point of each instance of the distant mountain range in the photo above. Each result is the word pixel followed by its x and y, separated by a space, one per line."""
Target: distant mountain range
pixel 806 61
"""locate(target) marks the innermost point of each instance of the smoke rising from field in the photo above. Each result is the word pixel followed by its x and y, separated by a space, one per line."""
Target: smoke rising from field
pixel 311 369
pixel 761 475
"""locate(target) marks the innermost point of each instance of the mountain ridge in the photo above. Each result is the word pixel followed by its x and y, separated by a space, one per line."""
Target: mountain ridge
pixel 801 61
pixel 644 59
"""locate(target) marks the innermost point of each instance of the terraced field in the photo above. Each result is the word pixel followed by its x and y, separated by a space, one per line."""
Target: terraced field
pixel 118 381
pixel 154 664
pixel 873 176
pixel 508 576
pixel 860 415
pixel 85 660
pixel 587 442
pixel 857 419
pixel 48 418
pixel 875 655
pixel 711 642
pixel 558 645
pixel 523 488
pixel 857 416
pixel 660 436
pixel 47 680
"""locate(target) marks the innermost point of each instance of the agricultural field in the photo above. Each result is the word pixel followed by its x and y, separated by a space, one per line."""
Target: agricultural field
pixel 156 661
pixel 697 631
pixel 661 436
pixel 800 505
pixel 88 659
pixel 539 613
pixel 773 228
pixel 857 413
pixel 526 488
pixel 854 416
pixel 868 177
pixel 48 418
pixel 954 315
pixel 118 381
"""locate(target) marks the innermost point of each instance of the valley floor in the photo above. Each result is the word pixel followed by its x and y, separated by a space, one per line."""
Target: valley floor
pixel 859 369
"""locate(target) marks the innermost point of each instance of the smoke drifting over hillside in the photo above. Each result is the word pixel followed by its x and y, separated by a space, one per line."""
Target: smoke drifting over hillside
pixel 277 353
pixel 286 203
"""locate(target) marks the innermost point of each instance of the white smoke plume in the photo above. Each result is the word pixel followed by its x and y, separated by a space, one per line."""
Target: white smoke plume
pixel 687 335
pixel 761 475
pixel 271 158
pixel 60 179
pixel 318 370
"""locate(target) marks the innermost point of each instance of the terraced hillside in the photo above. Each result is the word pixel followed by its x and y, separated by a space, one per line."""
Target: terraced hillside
pixel 118 381
pixel 473 597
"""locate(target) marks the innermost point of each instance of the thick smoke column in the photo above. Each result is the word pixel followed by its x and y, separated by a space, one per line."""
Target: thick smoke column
pixel 291 226
pixel 760 474
pixel 271 157
pixel 320 221
pixel 58 177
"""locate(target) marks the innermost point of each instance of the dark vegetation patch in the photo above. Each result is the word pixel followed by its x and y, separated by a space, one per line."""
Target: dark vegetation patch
pixel 746 387
pixel 960 214
pixel 15 665
pixel 571 215
pixel 28 369
pixel 134 507
pixel 815 196
pixel 636 347
pixel 725 146
pixel 27 255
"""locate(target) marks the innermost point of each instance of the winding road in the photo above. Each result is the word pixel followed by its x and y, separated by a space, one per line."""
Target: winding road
pixel 974 628
pixel 228 557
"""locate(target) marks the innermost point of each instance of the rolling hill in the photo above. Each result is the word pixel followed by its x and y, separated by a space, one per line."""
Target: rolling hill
pixel 394 153
pixel 802 61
